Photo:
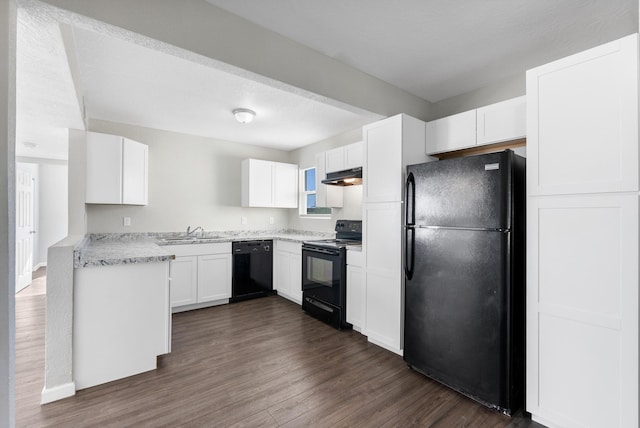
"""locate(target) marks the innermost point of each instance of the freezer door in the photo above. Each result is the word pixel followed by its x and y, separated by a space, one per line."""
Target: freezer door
pixel 456 309
pixel 470 191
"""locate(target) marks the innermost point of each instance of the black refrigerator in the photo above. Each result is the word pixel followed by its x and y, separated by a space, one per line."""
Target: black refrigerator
pixel 465 275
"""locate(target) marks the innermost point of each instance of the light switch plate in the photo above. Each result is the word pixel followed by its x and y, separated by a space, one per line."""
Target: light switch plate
pixel 243 220
pixel 126 221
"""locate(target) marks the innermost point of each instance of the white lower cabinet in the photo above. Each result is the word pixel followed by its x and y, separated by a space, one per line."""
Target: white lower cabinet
pixel 287 270
pixel 200 275
pixel 214 277
pixel 384 277
pixel 184 281
pixel 355 290
pixel 582 310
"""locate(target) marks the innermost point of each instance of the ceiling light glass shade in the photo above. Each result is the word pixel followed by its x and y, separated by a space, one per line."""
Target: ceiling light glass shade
pixel 244 115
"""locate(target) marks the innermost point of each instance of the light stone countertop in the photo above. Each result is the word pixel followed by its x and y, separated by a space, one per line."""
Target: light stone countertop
pixel 115 248
pixel 114 252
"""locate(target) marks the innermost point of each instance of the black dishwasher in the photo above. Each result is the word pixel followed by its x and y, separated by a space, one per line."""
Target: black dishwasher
pixel 252 269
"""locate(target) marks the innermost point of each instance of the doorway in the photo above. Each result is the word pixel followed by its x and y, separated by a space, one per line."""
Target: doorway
pixel 25 223
pixel 41 213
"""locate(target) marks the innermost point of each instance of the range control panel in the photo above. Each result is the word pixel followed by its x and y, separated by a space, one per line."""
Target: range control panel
pixel 349 226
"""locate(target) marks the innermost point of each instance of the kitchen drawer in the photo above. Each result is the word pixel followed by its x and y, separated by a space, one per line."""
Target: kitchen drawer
pixel 289 247
pixel 199 249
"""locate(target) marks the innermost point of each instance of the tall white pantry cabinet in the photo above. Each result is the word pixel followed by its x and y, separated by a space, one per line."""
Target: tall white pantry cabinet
pixel 389 145
pixel 582 238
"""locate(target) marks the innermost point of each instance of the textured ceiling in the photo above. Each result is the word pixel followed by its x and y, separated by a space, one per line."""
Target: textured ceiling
pixel 124 77
pixel 437 49
pixel 46 101
pixel 127 83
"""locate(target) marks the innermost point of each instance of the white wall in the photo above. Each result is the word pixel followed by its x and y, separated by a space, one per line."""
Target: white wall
pixel 193 181
pixel 52 208
pixel 7 210
pixel 503 90
pixel 77 213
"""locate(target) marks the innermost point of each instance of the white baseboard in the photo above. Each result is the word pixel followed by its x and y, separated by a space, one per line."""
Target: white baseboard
pixel 39 265
pixel 384 345
pixel 57 392
pixel 184 308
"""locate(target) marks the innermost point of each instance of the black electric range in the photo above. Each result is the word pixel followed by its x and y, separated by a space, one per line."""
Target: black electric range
pixel 324 274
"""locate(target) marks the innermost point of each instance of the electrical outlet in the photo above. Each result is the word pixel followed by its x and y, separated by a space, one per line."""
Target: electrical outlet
pixel 271 220
pixel 243 220
pixel 126 221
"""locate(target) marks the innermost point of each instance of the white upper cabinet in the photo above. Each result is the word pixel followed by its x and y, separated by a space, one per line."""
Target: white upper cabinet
pixel 353 155
pixel 269 184
pixel 326 196
pixel 257 183
pixel 345 157
pixel 135 166
pixel 495 123
pixel 390 145
pixel 451 133
pixel 334 159
pixel 116 170
pixel 285 189
pixel 582 128
pixel 503 121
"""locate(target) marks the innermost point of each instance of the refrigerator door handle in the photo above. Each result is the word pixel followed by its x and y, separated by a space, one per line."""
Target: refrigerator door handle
pixel 409 251
pixel 410 194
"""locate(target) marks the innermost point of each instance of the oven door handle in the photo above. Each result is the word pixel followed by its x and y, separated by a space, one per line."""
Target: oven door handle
pixel 322 251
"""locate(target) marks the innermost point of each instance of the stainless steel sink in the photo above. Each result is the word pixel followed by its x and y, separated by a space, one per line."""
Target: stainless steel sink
pixel 181 239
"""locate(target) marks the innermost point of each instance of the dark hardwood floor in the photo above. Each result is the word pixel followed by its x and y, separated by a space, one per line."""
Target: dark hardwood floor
pixel 255 363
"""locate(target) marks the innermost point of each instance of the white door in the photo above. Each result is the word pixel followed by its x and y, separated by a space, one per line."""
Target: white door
pixel 184 281
pixel 135 163
pixel 214 277
pixel 25 183
pixel 285 193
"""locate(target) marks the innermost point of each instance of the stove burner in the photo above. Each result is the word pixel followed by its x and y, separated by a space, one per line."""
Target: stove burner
pixel 333 243
pixel 348 233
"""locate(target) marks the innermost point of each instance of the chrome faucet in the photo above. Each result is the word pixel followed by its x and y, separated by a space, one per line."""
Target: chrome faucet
pixel 192 232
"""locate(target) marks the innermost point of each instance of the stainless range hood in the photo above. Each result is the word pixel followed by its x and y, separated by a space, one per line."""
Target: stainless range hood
pixel 348 177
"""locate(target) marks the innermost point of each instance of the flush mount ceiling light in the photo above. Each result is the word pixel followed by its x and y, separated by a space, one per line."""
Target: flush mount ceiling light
pixel 244 115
